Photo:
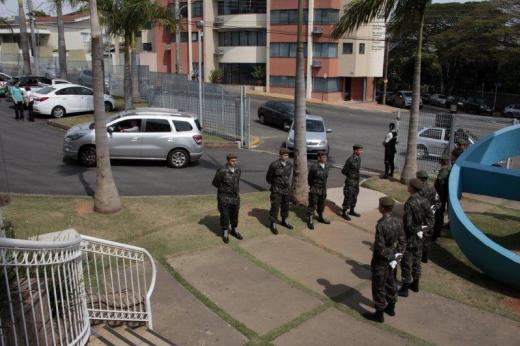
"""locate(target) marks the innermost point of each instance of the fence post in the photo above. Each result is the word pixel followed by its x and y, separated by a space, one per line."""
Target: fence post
pixel 453 125
pixel 241 115
pixel 222 107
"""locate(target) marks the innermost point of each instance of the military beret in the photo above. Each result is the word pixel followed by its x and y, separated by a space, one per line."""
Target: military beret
pixel 416 184
pixel 357 146
pixel 461 141
pixel 386 202
pixel 284 151
pixel 422 174
pixel 231 156
pixel 445 157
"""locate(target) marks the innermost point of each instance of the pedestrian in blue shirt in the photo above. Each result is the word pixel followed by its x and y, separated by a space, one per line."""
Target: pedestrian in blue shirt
pixel 16 94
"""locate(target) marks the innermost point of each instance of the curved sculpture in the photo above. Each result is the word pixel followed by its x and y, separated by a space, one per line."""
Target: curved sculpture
pixel 474 172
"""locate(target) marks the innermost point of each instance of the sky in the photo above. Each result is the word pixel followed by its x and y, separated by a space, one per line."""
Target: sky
pixel 10 8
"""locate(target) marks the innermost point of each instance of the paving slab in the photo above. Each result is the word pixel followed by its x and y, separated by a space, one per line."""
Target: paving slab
pixel 367 221
pixel 443 321
pixel 313 267
pixel 247 292
pixel 181 318
pixel 345 239
pixel 336 328
pixel 367 199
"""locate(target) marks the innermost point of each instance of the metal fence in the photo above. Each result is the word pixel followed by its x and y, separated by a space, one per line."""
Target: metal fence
pixel 438 131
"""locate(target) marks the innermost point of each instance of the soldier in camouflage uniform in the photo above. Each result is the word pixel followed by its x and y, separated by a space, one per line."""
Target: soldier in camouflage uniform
pixel 227 181
pixel 317 180
pixel 389 246
pixel 351 188
pixel 279 177
pixel 441 186
pixel 430 194
pixel 415 220
pixel 460 146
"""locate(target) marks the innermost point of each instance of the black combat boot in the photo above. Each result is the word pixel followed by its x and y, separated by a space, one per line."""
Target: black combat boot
pixel 345 215
pixel 425 255
pixel 323 220
pixel 390 309
pixel 353 213
pixel 310 223
pixel 236 234
pixel 403 291
pixel 415 285
pixel 377 316
pixel 225 235
pixel 272 227
pixel 286 224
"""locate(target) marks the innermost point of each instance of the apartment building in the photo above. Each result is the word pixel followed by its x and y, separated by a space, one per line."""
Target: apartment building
pixel 240 36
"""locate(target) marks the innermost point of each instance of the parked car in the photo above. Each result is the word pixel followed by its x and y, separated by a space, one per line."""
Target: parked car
pixel 57 81
pixel 276 113
pixel 438 100
pixel 85 78
pixel 62 99
pixel 34 83
pixel 389 97
pixel 455 100
pixel 434 141
pixel 512 111
pixel 426 98
pixel 477 105
pixel 143 133
pixel 403 99
pixel 316 135
pixel 4 79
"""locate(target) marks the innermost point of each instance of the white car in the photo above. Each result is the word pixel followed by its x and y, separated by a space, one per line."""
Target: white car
pixel 62 99
pixel 56 81
pixel 434 141
pixel 512 111
pixel 438 100
pixel 4 78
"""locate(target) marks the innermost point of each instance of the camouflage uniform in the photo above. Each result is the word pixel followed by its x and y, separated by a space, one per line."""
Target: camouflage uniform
pixel 317 180
pixel 279 177
pixel 416 215
pixel 429 193
pixel 389 241
pixel 455 153
pixel 351 188
pixel 228 195
pixel 441 186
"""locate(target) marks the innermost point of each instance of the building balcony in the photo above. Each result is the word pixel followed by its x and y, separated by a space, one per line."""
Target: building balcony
pixel 241 54
pixel 238 21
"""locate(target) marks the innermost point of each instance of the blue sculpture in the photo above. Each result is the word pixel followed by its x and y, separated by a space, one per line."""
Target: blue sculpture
pixel 474 172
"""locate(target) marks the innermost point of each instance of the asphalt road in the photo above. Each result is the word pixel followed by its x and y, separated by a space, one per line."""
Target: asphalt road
pixel 31 161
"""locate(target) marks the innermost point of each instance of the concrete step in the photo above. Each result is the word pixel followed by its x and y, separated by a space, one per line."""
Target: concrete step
pixel 104 335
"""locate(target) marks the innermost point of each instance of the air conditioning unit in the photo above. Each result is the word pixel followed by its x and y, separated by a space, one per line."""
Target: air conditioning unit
pixel 219 21
pixel 219 51
pixel 317 30
pixel 316 64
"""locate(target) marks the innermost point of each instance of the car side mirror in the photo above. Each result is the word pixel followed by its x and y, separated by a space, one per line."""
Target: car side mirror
pixel 110 129
pixel 329 130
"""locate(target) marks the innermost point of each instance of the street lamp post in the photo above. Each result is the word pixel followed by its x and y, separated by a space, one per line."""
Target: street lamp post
pixel 200 26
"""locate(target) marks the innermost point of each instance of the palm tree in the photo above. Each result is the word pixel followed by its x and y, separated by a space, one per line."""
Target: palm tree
pixel 23 39
pixel 106 197
pixel 401 13
pixel 34 44
pixel 300 186
pixel 62 49
pixel 125 18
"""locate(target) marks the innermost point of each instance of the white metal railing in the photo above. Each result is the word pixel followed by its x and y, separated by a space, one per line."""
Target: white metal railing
pixel 42 296
pixel 51 291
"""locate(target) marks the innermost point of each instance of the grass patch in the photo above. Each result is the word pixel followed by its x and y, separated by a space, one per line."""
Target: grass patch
pixel 450 273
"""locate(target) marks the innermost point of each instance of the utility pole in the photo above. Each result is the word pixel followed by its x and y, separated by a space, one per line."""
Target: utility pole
pixel 178 62
pixel 200 27
pixel 34 45
pixel 385 72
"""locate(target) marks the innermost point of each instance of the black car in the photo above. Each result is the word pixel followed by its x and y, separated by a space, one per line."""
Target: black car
pixel 477 105
pixel 276 113
pixel 389 97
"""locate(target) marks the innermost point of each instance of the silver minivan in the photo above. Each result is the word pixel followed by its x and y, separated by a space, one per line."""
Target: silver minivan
pixel 316 135
pixel 143 134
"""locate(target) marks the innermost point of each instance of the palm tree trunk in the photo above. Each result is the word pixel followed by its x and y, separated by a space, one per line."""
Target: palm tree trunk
pixel 62 49
pixel 178 62
pixel 34 44
pixel 135 71
pixel 127 80
pixel 410 162
pixel 385 72
pixel 299 186
pixel 23 40
pixel 106 198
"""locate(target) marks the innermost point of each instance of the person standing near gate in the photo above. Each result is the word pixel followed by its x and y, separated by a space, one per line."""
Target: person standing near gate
pixel 317 180
pixel 227 181
pixel 351 188
pixel 16 94
pixel 441 186
pixel 28 99
pixel 460 146
pixel 279 177
pixel 390 143
pixel 430 194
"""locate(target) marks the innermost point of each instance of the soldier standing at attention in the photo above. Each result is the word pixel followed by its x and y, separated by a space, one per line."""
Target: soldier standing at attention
pixel 351 188
pixel 390 143
pixel 430 194
pixel 317 180
pixel 415 221
pixel 441 186
pixel 279 177
pixel 460 145
pixel 227 181
pixel 389 245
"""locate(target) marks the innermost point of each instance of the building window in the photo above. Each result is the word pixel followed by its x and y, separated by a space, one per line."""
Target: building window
pixel 282 81
pixel 240 6
pixel 85 37
pixel 184 36
pixel 361 48
pixel 147 46
pixel 326 85
pixel 239 73
pixel 326 16
pixel 348 48
pixel 285 50
pixel 241 38
pixel 325 50
pixel 196 9
pixel 287 17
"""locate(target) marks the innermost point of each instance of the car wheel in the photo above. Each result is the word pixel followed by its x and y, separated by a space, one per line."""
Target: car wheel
pixel 108 107
pixel 87 156
pixel 286 125
pixel 178 158
pixel 261 118
pixel 422 152
pixel 58 112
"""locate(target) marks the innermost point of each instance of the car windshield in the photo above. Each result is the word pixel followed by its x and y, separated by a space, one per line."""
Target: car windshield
pixel 315 126
pixel 46 90
pixel 112 118
pixel 407 94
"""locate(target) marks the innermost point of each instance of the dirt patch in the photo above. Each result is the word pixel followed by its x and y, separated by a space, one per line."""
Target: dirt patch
pixel 512 304
pixel 84 208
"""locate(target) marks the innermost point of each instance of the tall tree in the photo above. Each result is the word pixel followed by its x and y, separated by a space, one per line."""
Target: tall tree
pixel 34 44
pixel 62 49
pixel 300 187
pixel 178 62
pixel 23 39
pixel 106 197
pixel 401 13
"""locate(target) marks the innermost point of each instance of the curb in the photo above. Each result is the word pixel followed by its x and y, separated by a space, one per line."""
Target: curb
pixel 58 125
